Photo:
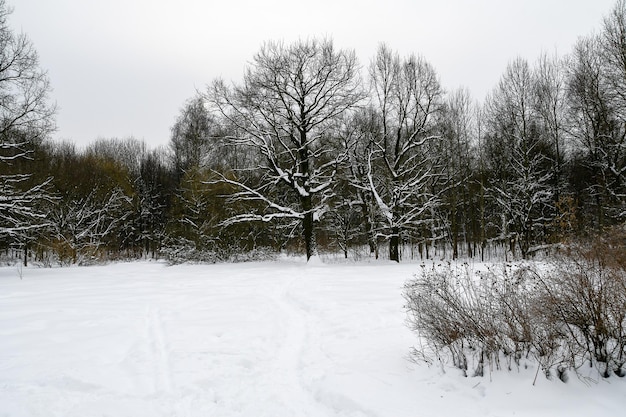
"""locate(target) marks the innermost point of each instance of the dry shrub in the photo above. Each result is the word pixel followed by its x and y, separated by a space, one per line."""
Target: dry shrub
pixel 455 316
pixel 586 293
pixel 564 314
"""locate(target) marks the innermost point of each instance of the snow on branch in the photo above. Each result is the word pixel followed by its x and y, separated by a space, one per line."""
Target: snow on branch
pixel 252 194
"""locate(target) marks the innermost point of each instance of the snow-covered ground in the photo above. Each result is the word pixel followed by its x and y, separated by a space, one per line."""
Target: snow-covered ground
pixel 258 339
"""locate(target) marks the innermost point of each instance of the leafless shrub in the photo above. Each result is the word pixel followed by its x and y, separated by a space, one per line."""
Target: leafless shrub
pixel 563 315
pixel 586 293
pixel 453 314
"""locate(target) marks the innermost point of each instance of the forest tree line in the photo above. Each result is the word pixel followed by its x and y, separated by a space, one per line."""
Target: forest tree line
pixel 313 151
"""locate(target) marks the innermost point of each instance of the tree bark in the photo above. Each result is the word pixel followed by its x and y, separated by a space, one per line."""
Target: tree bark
pixel 368 225
pixel 394 245
pixel 308 227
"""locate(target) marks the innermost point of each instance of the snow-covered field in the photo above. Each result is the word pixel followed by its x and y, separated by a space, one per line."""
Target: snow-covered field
pixel 259 339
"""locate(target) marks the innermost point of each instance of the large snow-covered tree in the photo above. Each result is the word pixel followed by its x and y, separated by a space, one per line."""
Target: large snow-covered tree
pixel 521 158
pixel 400 167
pixel 26 117
pixel 283 110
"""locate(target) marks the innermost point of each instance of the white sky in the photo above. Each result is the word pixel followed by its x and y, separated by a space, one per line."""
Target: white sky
pixel 124 68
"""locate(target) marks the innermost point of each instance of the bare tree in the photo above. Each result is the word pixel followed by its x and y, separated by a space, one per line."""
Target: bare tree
pixel 358 133
pixel 24 87
pixel 550 107
pixel 614 59
pixel 190 140
pixel 521 160
pixel 80 228
pixel 401 168
pixel 128 152
pixel 613 53
pixel 26 118
pixel 458 131
pixel 283 110
pixel 597 126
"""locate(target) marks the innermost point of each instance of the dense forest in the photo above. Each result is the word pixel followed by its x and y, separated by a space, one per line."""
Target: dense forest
pixel 314 152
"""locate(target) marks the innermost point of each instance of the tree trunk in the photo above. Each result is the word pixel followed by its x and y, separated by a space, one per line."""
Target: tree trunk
pixel 308 227
pixel 369 226
pixel 394 244
pixel 455 245
pixel 454 226
pixel 309 236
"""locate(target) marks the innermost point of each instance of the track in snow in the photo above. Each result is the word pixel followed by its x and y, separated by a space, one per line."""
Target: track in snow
pixel 263 339
pixel 159 352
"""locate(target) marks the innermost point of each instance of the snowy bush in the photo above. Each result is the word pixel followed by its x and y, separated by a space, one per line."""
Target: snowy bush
pixel 451 312
pixel 185 251
pixel 586 293
pixel 565 314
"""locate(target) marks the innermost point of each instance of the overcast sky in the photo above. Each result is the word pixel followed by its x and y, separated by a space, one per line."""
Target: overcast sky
pixel 123 68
